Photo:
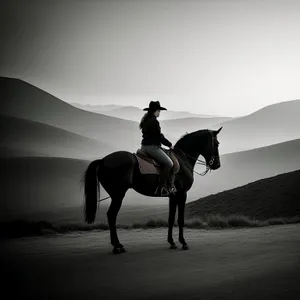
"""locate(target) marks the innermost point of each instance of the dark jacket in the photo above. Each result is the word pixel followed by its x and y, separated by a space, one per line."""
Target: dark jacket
pixel 152 133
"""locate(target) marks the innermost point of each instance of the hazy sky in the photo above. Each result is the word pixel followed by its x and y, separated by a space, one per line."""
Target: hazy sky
pixel 214 57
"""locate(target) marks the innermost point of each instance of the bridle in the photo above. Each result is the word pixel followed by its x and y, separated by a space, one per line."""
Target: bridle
pixel 213 157
pixel 202 162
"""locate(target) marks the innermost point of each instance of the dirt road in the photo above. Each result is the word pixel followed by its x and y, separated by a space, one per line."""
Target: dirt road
pixel 257 263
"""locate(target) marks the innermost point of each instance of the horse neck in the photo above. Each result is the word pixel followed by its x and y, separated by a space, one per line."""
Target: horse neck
pixel 192 152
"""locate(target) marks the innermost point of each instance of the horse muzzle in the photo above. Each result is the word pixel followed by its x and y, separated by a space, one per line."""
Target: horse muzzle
pixel 214 163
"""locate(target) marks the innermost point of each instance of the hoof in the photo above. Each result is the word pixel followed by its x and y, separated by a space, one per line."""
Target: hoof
pixel 119 249
pixel 185 247
pixel 116 251
pixel 122 250
pixel 173 246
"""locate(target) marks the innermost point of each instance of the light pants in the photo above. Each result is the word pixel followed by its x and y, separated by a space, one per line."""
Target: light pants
pixel 162 158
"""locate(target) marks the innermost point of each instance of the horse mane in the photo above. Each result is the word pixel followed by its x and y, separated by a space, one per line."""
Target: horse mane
pixel 185 137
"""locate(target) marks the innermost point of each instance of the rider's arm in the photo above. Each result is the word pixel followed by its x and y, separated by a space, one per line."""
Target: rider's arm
pixel 165 141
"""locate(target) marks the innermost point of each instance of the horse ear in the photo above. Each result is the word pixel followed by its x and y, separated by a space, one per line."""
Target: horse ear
pixel 218 131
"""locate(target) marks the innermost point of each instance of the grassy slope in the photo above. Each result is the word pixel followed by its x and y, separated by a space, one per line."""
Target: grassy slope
pixel 270 201
pixel 277 196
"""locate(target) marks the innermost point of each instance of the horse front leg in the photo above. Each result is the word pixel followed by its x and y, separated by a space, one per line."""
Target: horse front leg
pixel 181 207
pixel 171 220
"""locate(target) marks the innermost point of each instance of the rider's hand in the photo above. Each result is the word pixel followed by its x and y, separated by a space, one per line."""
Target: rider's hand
pixel 172 147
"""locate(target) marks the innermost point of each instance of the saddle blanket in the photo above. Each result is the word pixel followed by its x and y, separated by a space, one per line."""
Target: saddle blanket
pixel 148 165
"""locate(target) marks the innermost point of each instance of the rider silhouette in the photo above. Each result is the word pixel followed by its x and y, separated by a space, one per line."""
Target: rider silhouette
pixel 151 144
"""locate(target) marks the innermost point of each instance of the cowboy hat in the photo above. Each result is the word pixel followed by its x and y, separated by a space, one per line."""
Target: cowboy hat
pixel 154 105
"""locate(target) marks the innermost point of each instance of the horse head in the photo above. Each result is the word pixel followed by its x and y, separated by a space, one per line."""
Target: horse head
pixel 201 142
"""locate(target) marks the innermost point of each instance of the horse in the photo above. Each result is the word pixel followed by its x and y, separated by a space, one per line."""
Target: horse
pixel 119 171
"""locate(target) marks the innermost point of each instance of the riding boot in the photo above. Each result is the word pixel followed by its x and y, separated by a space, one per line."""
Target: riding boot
pixel 171 179
pixel 162 188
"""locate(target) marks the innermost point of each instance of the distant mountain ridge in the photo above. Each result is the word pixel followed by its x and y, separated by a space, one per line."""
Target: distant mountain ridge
pixel 99 108
pixel 135 114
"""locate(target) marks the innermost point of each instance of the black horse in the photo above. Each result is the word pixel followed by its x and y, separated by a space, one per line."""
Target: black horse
pixel 119 171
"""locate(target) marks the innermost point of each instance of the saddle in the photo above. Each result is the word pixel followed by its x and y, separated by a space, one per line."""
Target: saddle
pixel 148 165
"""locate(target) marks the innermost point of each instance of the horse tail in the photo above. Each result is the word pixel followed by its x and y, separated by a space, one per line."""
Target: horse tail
pixel 91 190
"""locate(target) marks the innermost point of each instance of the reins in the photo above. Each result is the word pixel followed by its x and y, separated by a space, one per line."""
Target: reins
pixel 198 161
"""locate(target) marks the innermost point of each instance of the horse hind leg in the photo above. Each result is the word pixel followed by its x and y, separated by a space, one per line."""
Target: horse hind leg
pixel 112 213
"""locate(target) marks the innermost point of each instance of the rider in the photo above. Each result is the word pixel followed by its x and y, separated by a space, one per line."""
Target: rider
pixel 151 142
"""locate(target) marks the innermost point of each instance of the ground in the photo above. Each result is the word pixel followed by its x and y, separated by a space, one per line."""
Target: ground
pixel 254 263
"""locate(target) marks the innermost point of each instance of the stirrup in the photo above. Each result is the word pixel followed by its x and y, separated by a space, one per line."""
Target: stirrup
pixel 162 191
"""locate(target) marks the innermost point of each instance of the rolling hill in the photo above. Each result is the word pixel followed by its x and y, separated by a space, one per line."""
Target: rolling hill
pixel 37 139
pixel 247 166
pixel 22 100
pixel 277 196
pixel 39 184
pixel 270 125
